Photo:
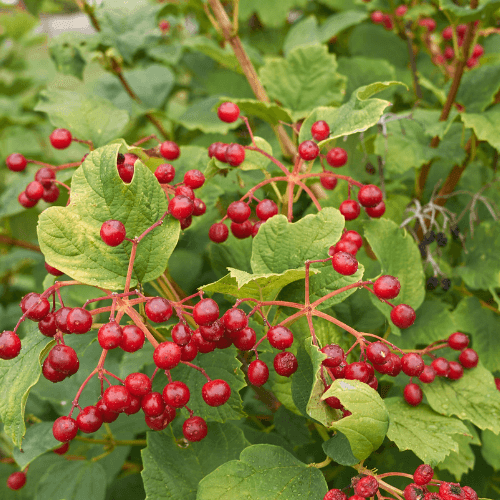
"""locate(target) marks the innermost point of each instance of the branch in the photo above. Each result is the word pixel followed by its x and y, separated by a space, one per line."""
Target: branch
pixel 6 240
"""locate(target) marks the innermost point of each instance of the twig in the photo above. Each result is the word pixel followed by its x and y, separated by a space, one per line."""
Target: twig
pixel 6 240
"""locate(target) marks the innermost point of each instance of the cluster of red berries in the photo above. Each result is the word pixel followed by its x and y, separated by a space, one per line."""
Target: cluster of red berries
pixel 368 486
pixel 449 53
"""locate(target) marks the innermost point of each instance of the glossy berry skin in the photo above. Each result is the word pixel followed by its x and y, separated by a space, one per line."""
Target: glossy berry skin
pixel 456 371
pixel 238 211
pixel 185 191
pixel 176 394
pixel 258 373
pixel 366 487
pixel 336 157
pixel 468 358
pixel 386 287
pixel 199 207
pixel 403 316
pixel 213 332
pixel 205 312
pixel 181 334
pixel 158 309
pixel 423 474
pixel 280 337
pixel 185 223
pixel 113 232
pixel 51 194
pixel 451 491
pixel 391 367
pixel 320 130
pixel 335 355
pixel 167 355
pixel 16 162
pixel 138 384
pixel 194 179
pixel 50 374
pixel 377 352
pixel 110 335
pixel 344 263
pixel 216 392
pixel 413 492
pixel 441 367
pixel 62 449
pixel 350 209
pixel 108 416
pixel 245 339
pixel 116 398
pixel 335 494
pixel 228 112
pixel 338 371
pixel 47 325
pixel 194 429
pixel 428 375
pixel 377 17
pixel 45 176
pixel 63 358
pixel 220 152
pixel 469 493
pixel 10 345
pixel 285 363
pixel 165 173
pixel 218 232
pixel 34 190
pixel 16 481
pixel 133 338
pixel 35 307
pixel 458 341
pixel 204 346
pixel 412 364
pixel 243 230
pixel 266 209
pixel 189 351
pixel 60 138
pixel 344 246
pixel 65 429
pixel 169 150
pixel 328 182
pixel 180 207
pixel 134 406
pixel 152 404
pixel 89 420
pixel 369 195
pixel 234 155
pixel 308 150
pixel 161 422
pixel 79 320
pixel 52 270
pixel 376 211
pixel 413 394
pixel 25 201
pixel 353 237
pixel 357 371
pixel 234 320
pixel 333 402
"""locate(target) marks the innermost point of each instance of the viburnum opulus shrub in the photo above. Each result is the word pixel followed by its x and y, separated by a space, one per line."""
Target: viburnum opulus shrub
pixel 265 260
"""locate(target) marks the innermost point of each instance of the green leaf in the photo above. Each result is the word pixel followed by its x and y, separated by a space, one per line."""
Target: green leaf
pixel 478 88
pixel 367 426
pixel 357 115
pixel 267 111
pixel 69 236
pixel 491 448
pixel 170 54
pixel 281 245
pixel 17 377
pixel 486 125
pixel 76 480
pixel 398 255
pixel 483 326
pixel 17 23
pixel 466 14
pixel 272 13
pixel 337 23
pixel 37 441
pixel 474 397
pixel 420 429
pixel 240 284
pixel 291 426
pixel 339 450
pixel 265 472
pixel 173 472
pixel 253 159
pixel 306 78
pixel 302 33
pixel 89 118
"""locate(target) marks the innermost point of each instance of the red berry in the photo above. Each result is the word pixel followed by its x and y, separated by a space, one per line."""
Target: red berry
pixel 63 358
pixel 413 492
pixel 189 351
pixel 343 246
pixel 335 494
pixel 216 392
pixel 413 394
pixel 447 33
pixel 165 173
pixel 110 335
pixel 108 416
pixel 353 237
pixel 161 422
pixel 387 287
pixel 158 309
pixel 52 270
pixel 152 404
pixel 401 10
pixel 449 53
pixel 266 209
pixel 320 130
pixel 357 371
pixel 212 148
pixel 34 190
pixel 468 358
pixel 332 401
pixel 116 398
pixel 349 209
pixel 194 429
pixel 369 195
pixel 194 179
pixel 60 138
pixel 16 162
pixel 328 182
pixel 164 26
pixel 79 320
pixel 89 420
pixel 176 394
pixel 308 150
pixel 181 334
pixel 180 207
pixel 243 230
pixel 185 191
pixel 285 363
pixel 478 51
pixel 234 320
pixel 228 112
pixel 16 480
pixel 34 306
pixel 336 157
pixel 205 312
pixel 65 429
pixel 428 375
pixel 335 355
pixel 245 339
pixel 280 337
pixel 50 194
pixel 51 374
pixel 423 474
pixel 133 338
pixel 377 17
pixel 45 176
pixel 138 384
pixel 377 352
pixel 441 367
pixel 126 172
pixel 203 346
pixel 469 493
pixel 213 332
pixel 10 345
pixel 167 355
pixel 373 383
pixel 339 371
pixel 218 232
pixel 113 232
pixel 134 406
pixel 185 223
pixel 456 371
pixel 412 364
pixel 234 154
pixel 220 151
pixel 403 316
pixel 238 211
pixel 256 227
pixel 25 201
pixel 376 211
pixel 391 367
pixel 47 325
pixel 170 150
pixel 366 487
pixel 451 491
pixel 199 207
pixel 62 449
pixel 344 263
pixel 258 373
pixel 458 341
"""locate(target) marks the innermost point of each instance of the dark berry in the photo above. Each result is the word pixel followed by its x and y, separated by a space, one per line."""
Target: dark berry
pixel 238 211
pixel 10 345
pixel 228 112
pixel 170 150
pixel 266 209
pixel 376 211
pixel 165 173
pixel 412 364
pixel 110 335
pixel 369 195
pixel 243 230
pixel 349 209
pixel 176 394
pixel 468 358
pixel 423 474
pixel 308 150
pixel 377 352
pixel 180 207
pixel 116 398
pixel 445 284
pixel 320 130
pixel 60 138
pixel 431 283
pixel 16 162
pixel 133 338
pixel 258 373
pixel 152 404
pixel 194 429
pixel 344 263
pixel 234 155
pixel 79 320
pixel 218 232
pixel 216 392
pixel 89 420
pixel 63 358
pixel 113 232
pixel 336 157
pixel 65 429
pixel 403 316
pixel 285 363
pixel 458 341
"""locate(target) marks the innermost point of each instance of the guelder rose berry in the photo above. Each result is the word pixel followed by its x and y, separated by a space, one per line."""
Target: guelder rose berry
pixel 113 232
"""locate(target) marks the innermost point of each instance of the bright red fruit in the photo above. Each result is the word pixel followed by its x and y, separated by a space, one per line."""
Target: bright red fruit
pixel 423 474
pixel 194 179
pixel 10 345
pixel 308 150
pixel 152 404
pixel 280 337
pixel 79 320
pixel 387 287
pixel 412 364
pixel 350 209
pixel 228 112
pixel 234 154
pixel 216 392
pixel 194 429
pixel 180 207
pixel 16 480
pixel 468 358
pixel 116 398
pixel 366 487
pixel 16 162
pixel 133 338
pixel 285 363
pixel 60 138
pixel 63 358
pixel 113 232
pixel 403 316
pixel 377 352
pixel 458 341
pixel 158 309
pixel 376 211
pixel 110 335
pixel 218 232
pixel 176 394
pixel 165 173
pixel 167 355
pixel 344 263
pixel 413 394
pixel 65 429
pixel 258 373
pixel 266 209
pixel 89 420
pixel 336 157
pixel 170 150
pixel 205 312
pixel 138 384
pixel 369 195
pixel 238 211
pixel 320 130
